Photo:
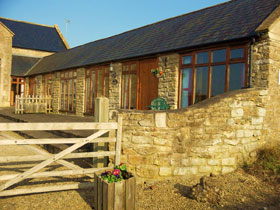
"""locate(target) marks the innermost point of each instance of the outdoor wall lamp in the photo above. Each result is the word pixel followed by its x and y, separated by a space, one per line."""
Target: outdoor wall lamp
pixel 114 75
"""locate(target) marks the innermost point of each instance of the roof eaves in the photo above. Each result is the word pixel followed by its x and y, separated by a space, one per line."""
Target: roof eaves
pixel 26 74
pixel 61 36
pixel 269 21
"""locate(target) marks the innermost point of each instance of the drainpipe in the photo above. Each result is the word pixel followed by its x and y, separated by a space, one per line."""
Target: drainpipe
pixel 251 61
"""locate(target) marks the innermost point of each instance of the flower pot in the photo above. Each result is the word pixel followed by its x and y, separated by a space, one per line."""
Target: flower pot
pixel 116 195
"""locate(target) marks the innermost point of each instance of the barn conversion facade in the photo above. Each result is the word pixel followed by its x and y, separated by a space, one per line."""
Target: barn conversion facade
pixel 184 59
pixel 218 69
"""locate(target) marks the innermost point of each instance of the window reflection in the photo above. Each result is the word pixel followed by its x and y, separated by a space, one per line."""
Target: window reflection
pixel 218 80
pixel 237 76
pixel 237 53
pixel 219 56
pixel 186 94
pixel 201 84
pixel 202 57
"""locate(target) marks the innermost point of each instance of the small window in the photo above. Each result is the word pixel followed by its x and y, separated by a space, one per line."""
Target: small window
pixel 237 53
pixel 219 56
pixel 202 57
pixel 187 59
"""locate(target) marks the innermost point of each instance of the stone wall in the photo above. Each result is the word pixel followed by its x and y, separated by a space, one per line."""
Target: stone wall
pixel 214 136
pixel 80 90
pixel 168 83
pixel 5 65
pixel 56 92
pixel 115 89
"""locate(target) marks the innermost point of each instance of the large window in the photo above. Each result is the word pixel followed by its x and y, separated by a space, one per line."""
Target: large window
pixel 68 83
pixel 47 85
pixel 97 85
pixel 129 86
pixel 208 73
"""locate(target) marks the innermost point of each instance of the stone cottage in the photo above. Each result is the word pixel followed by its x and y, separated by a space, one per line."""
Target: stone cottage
pixel 218 69
pixel 23 44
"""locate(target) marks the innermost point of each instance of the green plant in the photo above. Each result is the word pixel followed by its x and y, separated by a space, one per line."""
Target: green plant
pixel 116 175
pixel 269 159
pixel 156 72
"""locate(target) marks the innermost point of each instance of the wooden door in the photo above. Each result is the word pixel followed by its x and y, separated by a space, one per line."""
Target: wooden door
pixel 148 83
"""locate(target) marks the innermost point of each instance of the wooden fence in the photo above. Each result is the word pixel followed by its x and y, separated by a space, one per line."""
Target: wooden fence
pixel 33 104
pixel 47 158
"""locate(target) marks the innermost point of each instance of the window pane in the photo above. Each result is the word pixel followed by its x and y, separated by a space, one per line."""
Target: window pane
pixel 70 95
pixel 187 59
pixel 219 56
pixel 201 84
pixel 106 86
pixel 66 95
pixel 93 87
pixel 218 80
pixel 237 53
pixel 237 76
pixel 133 91
pixel 62 95
pixel 87 94
pixel 126 68
pixel 125 87
pixel 133 67
pixel 100 83
pixel 202 57
pixel 74 94
pixel 186 94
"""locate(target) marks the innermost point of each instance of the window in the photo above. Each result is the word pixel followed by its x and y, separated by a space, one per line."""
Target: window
pixel 208 73
pixel 68 83
pixel 129 86
pixel 187 79
pixel 47 85
pixel 97 85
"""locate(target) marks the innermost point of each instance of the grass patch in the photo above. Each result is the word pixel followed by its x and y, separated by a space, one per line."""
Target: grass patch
pixel 269 159
pixel 267 163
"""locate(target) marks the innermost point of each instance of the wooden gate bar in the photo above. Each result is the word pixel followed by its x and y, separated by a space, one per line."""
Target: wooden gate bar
pixel 56 126
pixel 11 159
pixel 51 160
pixel 52 141
pixel 57 173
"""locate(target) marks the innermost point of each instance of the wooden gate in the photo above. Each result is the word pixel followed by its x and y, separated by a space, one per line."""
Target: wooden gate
pixel 47 158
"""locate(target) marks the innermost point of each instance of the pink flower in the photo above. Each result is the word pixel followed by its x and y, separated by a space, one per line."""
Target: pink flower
pixel 116 172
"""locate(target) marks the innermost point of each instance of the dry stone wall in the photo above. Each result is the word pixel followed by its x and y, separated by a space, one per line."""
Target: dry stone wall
pixel 214 136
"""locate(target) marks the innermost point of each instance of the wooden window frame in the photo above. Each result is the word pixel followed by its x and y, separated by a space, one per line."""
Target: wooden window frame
pixel 105 73
pixel 66 88
pixel 46 84
pixel 130 72
pixel 210 64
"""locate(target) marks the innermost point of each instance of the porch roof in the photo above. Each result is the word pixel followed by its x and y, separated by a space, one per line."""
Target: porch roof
pixel 21 64
pixel 228 21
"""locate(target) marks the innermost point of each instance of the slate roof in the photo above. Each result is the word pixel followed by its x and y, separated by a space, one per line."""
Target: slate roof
pixel 21 64
pixel 33 36
pixel 224 22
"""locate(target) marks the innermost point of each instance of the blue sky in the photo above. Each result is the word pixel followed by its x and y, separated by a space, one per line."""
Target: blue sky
pixel 91 20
